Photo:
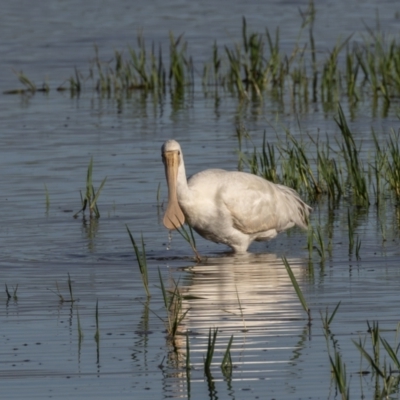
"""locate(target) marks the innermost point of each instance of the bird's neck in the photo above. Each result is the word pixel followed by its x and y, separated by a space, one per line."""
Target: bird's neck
pixel 182 186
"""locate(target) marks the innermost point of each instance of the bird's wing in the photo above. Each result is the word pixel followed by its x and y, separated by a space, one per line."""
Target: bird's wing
pixel 257 205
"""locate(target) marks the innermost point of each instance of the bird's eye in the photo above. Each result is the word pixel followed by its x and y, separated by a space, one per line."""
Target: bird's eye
pixel 179 153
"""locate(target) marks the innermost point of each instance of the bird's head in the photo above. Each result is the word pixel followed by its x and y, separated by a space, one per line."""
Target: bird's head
pixel 172 158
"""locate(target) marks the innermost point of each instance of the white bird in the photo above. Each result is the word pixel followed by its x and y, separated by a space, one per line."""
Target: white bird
pixel 230 207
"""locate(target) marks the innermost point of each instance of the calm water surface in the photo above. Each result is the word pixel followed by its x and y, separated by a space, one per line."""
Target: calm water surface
pixel 47 142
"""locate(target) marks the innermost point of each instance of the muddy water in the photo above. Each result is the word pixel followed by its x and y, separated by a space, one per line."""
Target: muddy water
pixel 47 142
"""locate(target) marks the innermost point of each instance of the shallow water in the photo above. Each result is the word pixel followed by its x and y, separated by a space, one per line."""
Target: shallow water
pixel 47 142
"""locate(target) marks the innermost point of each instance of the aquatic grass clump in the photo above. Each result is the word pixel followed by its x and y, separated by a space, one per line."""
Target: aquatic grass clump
pixel 14 295
pixel 60 296
pixel 352 70
pixel 216 80
pixel 144 69
pixel 336 361
pixel 212 337
pixel 254 67
pixel 296 167
pixel 226 363
pixel 392 167
pixel 387 374
pixel 378 169
pixel 331 76
pixel 140 70
pixel 75 85
pixel 257 65
pixel 293 163
pixel 386 166
pixel 356 176
pixel 250 71
pixel 173 302
pixel 91 196
pixel 380 62
pixel 181 68
pixel 339 372
pixel 30 87
pixel 329 173
pixel 262 163
pixel 327 319
pixel 316 169
pixel 151 72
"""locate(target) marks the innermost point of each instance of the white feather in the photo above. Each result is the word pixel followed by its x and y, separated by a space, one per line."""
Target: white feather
pixel 235 208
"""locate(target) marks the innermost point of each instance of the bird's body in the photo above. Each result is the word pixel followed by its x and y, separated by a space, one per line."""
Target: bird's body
pixel 230 207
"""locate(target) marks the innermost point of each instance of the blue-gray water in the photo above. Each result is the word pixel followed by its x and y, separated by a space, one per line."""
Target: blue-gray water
pixel 47 141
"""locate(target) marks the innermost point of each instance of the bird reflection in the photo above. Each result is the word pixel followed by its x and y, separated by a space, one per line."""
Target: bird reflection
pixel 252 298
pixel 241 292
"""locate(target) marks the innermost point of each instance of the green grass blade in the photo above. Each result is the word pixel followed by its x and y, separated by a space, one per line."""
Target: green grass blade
pixel 391 352
pixel 164 293
pixel 296 287
pixel 333 313
pixel 80 331
pixel 89 183
pixel 7 292
pixel 189 237
pixel 212 337
pixel 339 370
pixel 187 351
pixel 227 361
pixel 241 309
pixel 97 334
pixel 70 288
pixel 142 262
pixel 97 194
pixel 47 197
pixel 15 297
pixel 370 360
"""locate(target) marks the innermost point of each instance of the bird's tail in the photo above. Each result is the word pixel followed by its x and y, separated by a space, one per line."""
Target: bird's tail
pixel 299 210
